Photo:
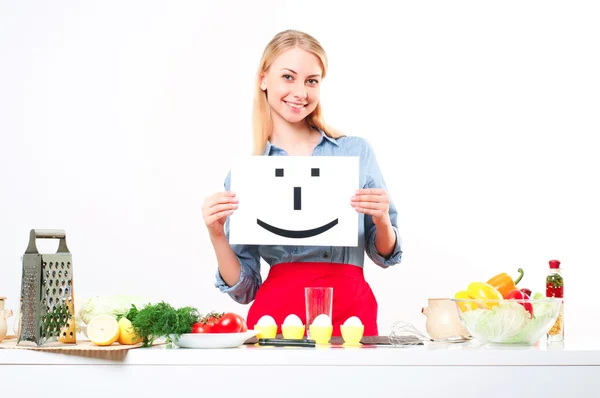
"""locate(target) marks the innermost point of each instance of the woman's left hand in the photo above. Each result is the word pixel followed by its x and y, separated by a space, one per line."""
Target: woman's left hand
pixel 374 202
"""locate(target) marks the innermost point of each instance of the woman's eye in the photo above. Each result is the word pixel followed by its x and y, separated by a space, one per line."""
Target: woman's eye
pixel 313 81
pixel 287 77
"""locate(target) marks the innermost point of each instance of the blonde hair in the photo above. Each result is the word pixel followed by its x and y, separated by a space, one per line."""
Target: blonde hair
pixel 262 123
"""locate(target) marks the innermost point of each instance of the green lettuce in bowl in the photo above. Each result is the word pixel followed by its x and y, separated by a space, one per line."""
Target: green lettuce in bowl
pixel 507 321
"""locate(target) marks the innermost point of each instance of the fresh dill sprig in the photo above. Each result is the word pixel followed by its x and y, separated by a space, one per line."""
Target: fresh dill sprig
pixel 161 320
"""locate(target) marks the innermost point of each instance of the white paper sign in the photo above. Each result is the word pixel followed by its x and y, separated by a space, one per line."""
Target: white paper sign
pixel 295 200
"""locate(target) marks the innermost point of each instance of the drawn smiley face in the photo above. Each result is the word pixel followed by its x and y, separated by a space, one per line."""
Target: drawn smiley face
pixel 290 200
pixel 297 205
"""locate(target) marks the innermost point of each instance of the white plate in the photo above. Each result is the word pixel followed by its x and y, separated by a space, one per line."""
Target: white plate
pixel 213 340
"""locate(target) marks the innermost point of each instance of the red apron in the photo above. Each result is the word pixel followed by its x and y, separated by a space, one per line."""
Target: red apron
pixel 282 294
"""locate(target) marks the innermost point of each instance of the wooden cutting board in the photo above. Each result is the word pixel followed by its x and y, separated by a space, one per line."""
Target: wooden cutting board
pixel 10 342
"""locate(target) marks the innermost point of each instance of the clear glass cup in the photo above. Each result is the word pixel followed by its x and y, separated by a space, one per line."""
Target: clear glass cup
pixel 319 300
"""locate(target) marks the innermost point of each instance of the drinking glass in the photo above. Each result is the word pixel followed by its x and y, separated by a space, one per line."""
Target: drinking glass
pixel 319 300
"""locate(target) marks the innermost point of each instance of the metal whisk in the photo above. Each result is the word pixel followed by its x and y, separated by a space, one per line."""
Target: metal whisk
pixel 405 334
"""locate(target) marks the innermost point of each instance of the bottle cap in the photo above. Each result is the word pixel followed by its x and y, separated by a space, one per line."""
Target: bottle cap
pixel 554 264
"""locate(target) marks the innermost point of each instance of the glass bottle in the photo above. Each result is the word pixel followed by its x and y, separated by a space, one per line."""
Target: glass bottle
pixel 555 288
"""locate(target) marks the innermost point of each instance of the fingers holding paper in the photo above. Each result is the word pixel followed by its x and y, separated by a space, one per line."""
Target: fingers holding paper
pixel 215 210
pixel 374 202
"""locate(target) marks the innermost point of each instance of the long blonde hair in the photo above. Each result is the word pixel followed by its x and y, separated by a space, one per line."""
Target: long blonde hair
pixel 262 123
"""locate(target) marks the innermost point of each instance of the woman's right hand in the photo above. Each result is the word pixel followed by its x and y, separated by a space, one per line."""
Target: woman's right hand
pixel 215 210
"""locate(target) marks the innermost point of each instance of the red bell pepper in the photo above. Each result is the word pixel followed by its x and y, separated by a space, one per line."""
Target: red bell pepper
pixel 521 298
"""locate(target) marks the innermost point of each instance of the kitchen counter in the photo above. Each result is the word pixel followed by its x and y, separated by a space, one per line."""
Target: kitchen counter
pixel 433 369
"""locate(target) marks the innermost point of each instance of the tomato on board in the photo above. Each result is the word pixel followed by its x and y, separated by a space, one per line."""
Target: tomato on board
pixel 228 323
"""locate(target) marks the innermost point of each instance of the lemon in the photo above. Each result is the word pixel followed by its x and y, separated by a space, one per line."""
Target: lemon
pixel 68 332
pixel 103 330
pixel 126 333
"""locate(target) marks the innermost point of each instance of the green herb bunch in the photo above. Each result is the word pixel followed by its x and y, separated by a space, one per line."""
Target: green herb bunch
pixel 161 320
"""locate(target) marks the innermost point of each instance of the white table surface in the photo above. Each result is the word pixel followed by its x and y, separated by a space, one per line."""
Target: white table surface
pixel 433 370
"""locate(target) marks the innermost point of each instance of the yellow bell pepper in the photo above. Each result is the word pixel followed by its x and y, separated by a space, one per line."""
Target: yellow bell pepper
pixel 465 306
pixel 485 291
pixel 504 283
pixel 478 291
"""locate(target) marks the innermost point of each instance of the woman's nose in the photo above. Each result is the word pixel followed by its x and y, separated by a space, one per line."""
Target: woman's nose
pixel 300 93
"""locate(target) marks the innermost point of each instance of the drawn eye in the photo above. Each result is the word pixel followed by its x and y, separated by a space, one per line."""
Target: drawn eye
pixel 278 172
pixel 314 172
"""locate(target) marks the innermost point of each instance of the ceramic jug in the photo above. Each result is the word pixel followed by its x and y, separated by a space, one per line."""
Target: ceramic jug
pixel 442 319
pixel 3 315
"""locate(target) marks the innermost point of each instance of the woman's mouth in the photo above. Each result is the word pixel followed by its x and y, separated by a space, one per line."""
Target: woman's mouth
pixel 295 106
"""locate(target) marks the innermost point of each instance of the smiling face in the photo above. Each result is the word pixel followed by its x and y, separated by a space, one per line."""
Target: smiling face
pixel 292 85
pixel 295 200
pixel 315 172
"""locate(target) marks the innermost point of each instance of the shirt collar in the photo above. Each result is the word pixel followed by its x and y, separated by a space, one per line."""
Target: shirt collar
pixel 323 137
pixel 328 138
pixel 268 148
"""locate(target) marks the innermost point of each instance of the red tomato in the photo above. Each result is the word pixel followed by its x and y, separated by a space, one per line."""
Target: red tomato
pixel 228 323
pixel 200 327
pixel 244 326
pixel 211 318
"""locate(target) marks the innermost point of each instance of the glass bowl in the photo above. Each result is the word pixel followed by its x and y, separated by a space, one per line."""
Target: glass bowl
pixel 519 322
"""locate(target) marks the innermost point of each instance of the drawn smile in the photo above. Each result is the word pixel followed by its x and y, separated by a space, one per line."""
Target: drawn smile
pixel 307 233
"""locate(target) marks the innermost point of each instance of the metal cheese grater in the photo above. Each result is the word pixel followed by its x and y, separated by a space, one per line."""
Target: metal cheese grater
pixel 47 307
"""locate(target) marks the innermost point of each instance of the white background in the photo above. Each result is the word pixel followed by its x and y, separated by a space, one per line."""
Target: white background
pixel 117 118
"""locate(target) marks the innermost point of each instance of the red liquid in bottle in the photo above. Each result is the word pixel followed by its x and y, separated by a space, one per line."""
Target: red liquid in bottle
pixel 555 288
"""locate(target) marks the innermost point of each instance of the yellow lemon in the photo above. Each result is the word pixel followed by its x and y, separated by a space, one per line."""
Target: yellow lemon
pixel 103 330
pixel 126 334
pixel 68 332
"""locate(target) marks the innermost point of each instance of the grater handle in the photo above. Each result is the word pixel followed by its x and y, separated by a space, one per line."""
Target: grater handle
pixel 47 234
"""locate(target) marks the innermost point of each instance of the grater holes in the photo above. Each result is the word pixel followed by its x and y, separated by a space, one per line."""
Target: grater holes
pixel 60 291
pixel 47 292
pixel 47 274
pixel 50 265
pixel 50 282
pixel 63 282
pixel 54 274
pixel 69 282
pixel 62 265
pixel 66 274
pixel 68 265
pixel 67 290
pixel 60 274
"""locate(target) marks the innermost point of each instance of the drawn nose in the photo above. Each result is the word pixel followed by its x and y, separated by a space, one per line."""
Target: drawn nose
pixel 297 198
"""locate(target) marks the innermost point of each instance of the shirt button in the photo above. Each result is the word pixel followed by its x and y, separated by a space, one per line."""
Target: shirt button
pixel 325 255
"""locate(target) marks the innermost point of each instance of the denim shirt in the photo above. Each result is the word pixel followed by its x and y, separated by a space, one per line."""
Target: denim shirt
pixel 244 291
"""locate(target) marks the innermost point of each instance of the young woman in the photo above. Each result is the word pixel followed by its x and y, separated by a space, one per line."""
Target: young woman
pixel 288 121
